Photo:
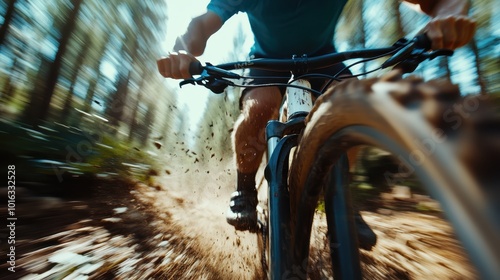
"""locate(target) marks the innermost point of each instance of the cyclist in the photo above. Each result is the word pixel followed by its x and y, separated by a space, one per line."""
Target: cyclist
pixel 281 29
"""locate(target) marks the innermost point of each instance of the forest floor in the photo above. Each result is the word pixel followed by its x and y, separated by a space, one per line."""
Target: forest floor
pixel 174 228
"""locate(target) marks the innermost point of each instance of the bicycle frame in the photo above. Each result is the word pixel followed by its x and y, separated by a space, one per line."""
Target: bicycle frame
pixel 281 138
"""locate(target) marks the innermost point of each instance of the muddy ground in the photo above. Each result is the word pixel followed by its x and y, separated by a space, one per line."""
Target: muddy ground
pixel 174 228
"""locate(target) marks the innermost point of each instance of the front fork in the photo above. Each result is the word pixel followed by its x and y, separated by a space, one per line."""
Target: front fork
pixel 298 104
pixel 281 138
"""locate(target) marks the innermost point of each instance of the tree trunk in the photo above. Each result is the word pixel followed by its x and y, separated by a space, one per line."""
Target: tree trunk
pixel 444 66
pixel 118 103
pixel 74 77
pixel 362 35
pixel 477 62
pixel 8 88
pixel 135 108
pixel 9 15
pixel 93 83
pixel 399 26
pixel 89 97
pixel 41 96
pixel 148 121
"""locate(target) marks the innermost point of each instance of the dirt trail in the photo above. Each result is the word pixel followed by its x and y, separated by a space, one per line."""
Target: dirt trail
pixel 174 228
pixel 410 245
pixel 197 204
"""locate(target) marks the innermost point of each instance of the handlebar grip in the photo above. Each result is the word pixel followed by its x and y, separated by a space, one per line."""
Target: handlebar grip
pixel 195 68
pixel 422 41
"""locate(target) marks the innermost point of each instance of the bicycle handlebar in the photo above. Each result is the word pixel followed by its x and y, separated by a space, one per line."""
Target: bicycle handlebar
pixel 407 54
pixel 287 65
pixel 318 62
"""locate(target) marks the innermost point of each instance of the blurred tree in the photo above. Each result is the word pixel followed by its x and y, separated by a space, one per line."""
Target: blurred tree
pixel 19 55
pixel 477 64
pixel 8 88
pixel 41 96
pixel 94 66
pixel 351 28
pixel 82 51
pixel 444 70
pixel 135 110
pixel 139 35
pixel 148 122
pixel 7 18
pixel 398 29
pixel 485 46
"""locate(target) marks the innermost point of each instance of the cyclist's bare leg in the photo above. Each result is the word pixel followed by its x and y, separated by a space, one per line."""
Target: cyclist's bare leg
pixel 259 105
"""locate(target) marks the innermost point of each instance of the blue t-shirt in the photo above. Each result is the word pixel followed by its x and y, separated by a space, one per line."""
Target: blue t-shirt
pixel 285 27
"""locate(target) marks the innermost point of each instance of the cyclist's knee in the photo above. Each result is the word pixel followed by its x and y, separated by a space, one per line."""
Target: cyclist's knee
pixel 263 102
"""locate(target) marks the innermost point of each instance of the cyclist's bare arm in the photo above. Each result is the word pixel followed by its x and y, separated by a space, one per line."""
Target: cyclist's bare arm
pixel 450 27
pixel 189 45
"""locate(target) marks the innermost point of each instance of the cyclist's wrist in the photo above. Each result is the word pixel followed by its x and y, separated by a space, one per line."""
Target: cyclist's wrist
pixel 180 44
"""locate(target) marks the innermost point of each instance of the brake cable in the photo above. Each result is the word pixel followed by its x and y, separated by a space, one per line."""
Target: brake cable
pixel 407 58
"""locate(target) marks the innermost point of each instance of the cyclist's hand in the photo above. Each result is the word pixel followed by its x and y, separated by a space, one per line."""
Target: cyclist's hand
pixel 450 32
pixel 176 65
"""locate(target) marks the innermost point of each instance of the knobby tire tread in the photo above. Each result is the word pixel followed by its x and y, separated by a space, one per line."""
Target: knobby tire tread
pixel 450 140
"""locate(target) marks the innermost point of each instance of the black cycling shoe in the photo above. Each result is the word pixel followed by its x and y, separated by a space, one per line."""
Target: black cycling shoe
pixel 366 237
pixel 242 213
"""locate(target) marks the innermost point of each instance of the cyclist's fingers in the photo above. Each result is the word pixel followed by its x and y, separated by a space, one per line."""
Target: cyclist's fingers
pixel 185 60
pixel 467 29
pixel 448 28
pixel 435 34
pixel 179 66
pixel 462 33
pixel 450 32
pixel 174 66
pixel 442 32
pixel 164 66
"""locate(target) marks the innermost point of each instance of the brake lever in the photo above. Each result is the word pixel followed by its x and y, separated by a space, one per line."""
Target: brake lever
pixel 193 81
pixel 212 78
pixel 405 52
pixel 436 53
pixel 210 69
pixel 214 84
pixel 210 73
pixel 411 63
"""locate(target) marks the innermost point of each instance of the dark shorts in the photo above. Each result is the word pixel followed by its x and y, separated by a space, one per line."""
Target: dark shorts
pixel 283 77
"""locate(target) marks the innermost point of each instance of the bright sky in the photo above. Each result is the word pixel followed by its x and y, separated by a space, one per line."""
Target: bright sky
pixel 219 46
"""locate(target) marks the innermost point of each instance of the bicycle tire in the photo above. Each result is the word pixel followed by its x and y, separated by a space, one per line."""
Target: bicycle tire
pixel 398 115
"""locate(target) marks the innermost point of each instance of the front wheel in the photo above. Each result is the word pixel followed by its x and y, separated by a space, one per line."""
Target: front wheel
pixel 416 122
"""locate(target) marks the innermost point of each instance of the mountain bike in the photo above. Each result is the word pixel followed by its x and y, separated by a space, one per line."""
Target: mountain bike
pixel 405 116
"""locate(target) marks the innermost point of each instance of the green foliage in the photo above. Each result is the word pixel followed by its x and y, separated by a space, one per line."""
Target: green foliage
pixel 60 160
pixel 118 159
